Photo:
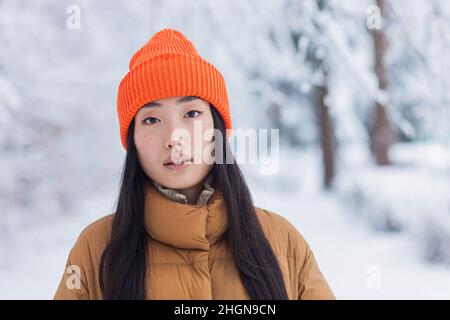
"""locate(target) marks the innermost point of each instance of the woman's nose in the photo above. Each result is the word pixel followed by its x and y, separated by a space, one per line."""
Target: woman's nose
pixel 176 148
pixel 174 145
pixel 170 141
pixel 177 140
pixel 168 144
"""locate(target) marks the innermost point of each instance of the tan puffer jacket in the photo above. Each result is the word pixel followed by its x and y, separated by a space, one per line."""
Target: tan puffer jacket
pixel 188 257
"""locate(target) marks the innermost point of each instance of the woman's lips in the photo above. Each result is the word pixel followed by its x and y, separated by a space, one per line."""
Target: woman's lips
pixel 178 165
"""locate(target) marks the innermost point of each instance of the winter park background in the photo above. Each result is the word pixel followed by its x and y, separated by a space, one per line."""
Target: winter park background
pixel 360 91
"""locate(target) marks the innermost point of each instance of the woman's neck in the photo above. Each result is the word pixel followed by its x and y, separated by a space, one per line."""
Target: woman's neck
pixel 198 194
pixel 193 192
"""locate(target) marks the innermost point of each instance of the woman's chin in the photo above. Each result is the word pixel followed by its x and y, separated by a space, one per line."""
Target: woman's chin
pixel 179 181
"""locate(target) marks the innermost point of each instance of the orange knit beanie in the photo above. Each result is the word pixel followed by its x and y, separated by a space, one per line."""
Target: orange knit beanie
pixel 168 65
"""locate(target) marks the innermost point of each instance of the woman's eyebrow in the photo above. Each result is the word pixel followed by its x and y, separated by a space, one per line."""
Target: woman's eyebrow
pixel 179 101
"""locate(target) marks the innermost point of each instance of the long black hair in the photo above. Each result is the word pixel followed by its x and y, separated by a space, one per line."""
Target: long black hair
pixel 124 261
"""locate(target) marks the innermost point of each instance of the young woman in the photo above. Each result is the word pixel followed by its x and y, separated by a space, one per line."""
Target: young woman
pixel 185 227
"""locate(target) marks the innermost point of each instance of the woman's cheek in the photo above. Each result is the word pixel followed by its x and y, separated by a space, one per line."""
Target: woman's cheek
pixel 208 157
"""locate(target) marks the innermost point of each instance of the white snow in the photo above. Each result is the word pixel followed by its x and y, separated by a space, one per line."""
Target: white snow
pixel 382 232
pixel 359 261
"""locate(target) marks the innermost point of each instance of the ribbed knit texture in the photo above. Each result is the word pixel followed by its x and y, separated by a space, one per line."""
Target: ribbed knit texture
pixel 175 195
pixel 168 65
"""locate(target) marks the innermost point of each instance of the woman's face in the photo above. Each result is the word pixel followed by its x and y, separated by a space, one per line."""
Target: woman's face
pixel 164 134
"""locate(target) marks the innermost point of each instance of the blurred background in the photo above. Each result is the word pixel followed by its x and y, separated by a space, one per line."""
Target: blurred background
pixel 359 90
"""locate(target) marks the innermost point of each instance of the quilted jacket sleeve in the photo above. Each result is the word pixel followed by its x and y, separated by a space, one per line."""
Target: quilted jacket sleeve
pixel 312 283
pixel 73 284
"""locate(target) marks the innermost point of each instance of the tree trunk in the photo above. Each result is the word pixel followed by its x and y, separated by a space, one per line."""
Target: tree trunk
pixel 327 138
pixel 381 135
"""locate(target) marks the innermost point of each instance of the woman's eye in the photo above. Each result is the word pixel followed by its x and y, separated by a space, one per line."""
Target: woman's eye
pixel 151 120
pixel 192 113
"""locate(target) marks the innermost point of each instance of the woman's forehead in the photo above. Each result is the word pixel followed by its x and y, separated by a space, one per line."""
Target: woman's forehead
pixel 171 101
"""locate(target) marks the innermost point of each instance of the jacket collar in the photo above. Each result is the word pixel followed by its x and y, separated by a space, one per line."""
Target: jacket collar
pixel 177 196
pixel 185 226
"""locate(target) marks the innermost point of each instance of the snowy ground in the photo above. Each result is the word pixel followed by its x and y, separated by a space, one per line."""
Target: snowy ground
pixel 358 262
pixel 33 262
pixel 411 196
pixel 351 255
